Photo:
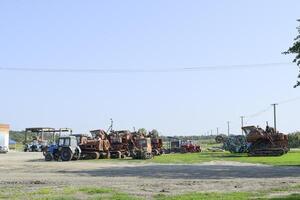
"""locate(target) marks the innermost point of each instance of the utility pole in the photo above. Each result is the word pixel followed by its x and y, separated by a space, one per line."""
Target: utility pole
pixel 228 128
pixel 217 130
pixel 242 123
pixel 211 132
pixel 274 107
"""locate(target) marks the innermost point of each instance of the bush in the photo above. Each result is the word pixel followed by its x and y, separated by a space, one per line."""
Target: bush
pixel 294 140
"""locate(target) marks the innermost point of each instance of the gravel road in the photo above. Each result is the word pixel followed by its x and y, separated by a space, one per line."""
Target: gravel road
pixel 143 179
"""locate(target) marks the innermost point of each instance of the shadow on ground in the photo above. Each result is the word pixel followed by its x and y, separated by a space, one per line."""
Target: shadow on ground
pixel 192 172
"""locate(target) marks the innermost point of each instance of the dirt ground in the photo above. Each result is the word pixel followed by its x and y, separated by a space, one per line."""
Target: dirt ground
pixel 145 180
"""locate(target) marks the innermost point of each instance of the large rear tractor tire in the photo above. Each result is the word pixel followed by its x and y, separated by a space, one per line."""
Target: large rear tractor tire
pixel 66 154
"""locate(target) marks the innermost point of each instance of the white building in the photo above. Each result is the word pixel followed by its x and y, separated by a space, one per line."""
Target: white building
pixel 4 137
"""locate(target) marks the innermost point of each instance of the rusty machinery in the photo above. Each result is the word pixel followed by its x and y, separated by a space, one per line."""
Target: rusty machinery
pixel 190 147
pixel 121 143
pixel 142 148
pixel 266 142
pixel 94 147
pixel 175 145
pixel 156 143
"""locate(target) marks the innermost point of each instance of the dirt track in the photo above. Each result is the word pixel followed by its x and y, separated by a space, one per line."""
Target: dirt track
pixel 30 170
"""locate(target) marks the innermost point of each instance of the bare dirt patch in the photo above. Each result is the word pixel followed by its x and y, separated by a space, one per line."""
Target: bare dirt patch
pixel 29 170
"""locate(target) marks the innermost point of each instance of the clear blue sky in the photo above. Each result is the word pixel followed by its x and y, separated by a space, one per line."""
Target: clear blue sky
pixel 145 35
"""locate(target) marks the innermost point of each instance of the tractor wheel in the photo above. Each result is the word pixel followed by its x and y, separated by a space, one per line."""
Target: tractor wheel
pixel 66 154
pixel 49 157
pixel 76 155
pixel 108 155
pixel 119 154
pixel 95 155
pixel 123 156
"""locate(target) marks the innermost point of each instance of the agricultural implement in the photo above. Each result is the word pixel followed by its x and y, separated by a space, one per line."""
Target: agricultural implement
pixel 95 147
pixel 178 146
pixel 190 147
pixel 266 142
pixel 142 148
pixel 121 144
pixel 156 143
pixel 233 143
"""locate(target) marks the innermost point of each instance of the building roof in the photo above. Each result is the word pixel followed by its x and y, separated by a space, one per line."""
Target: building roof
pixel 4 127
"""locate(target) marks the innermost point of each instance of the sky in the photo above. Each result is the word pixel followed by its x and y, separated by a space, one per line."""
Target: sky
pixel 144 43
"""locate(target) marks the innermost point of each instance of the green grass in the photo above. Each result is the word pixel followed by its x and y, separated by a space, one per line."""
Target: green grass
pixel 288 197
pixel 95 190
pixel 96 193
pixel 64 193
pixel 292 158
pixel 227 196
pixel 205 196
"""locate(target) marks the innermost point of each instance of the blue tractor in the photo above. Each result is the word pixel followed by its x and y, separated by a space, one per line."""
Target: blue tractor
pixel 66 149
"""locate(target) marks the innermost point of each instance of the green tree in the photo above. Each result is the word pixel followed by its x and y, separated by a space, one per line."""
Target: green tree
pixel 154 132
pixel 295 49
pixel 142 131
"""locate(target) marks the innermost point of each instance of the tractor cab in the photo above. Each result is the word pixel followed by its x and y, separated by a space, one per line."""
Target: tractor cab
pixel 143 149
pixel 248 129
pixel 144 144
pixel 68 141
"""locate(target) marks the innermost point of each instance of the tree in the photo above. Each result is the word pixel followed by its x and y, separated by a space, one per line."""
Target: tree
pixel 295 49
pixel 142 131
pixel 154 132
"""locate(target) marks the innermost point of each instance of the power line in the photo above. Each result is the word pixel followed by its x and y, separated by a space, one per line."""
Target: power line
pixel 289 100
pixel 258 113
pixel 137 70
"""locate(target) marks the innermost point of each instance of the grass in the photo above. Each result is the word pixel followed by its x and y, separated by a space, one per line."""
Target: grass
pixel 95 190
pixel 289 159
pixel 95 193
pixel 228 196
pixel 65 193
pixel 205 196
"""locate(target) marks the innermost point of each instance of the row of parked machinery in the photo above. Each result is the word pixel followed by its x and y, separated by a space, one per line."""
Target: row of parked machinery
pixel 102 144
pixel 115 144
